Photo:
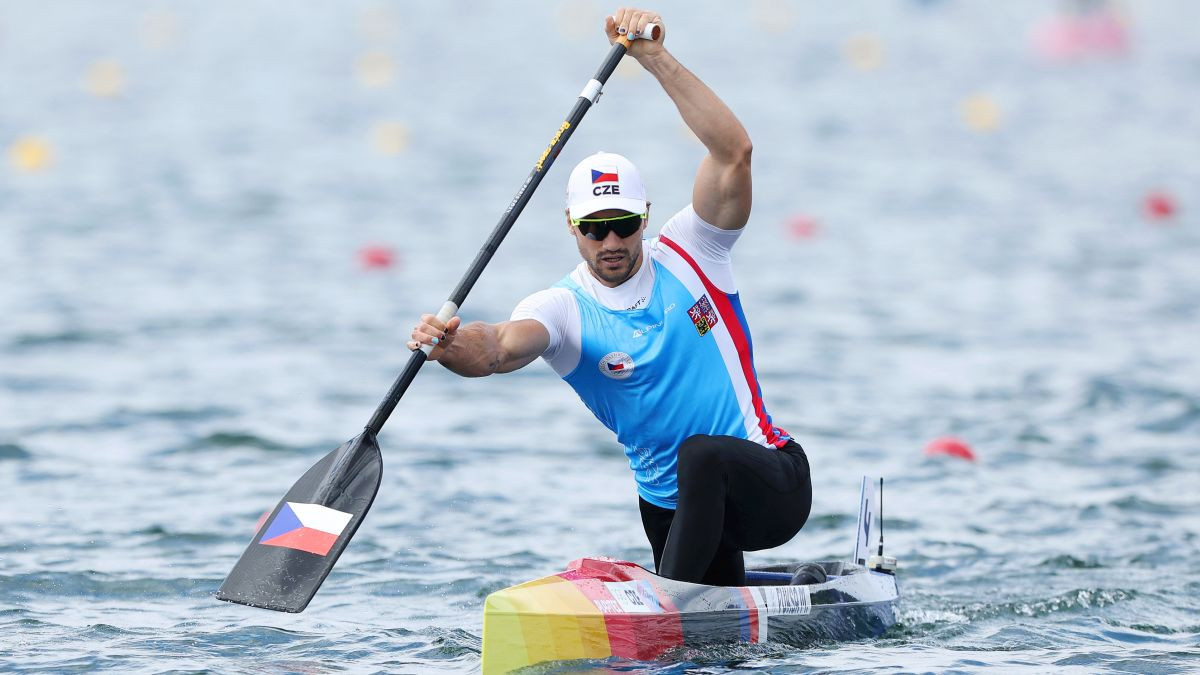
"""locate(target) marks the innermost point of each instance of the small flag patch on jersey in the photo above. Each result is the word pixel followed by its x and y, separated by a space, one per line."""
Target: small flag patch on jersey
pixel 609 176
pixel 306 527
pixel 703 315
pixel 616 365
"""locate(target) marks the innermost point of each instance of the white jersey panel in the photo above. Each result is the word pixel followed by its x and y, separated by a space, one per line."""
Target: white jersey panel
pixel 557 310
pixel 708 245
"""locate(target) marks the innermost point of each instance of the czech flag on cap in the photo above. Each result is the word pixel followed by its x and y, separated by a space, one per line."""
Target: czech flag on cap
pixel 306 527
pixel 609 176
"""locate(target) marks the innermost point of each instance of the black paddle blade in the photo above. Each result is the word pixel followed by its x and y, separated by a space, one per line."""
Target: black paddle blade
pixel 301 540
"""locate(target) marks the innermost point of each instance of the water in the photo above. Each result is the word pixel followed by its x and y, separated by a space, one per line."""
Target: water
pixel 187 327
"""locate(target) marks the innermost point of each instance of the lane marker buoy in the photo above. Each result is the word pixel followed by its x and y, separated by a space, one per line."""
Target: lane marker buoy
pixel 376 256
pixel 390 138
pixel 981 113
pixel 375 70
pixel 104 79
pixel 801 226
pixel 30 154
pixel 864 52
pixel 950 447
pixel 1159 206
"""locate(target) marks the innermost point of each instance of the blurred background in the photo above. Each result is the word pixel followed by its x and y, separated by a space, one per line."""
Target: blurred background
pixel 971 267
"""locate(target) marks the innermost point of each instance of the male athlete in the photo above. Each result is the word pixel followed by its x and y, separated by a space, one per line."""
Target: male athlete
pixel 651 335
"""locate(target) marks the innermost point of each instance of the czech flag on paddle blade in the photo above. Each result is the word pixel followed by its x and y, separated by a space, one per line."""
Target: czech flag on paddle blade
pixel 609 176
pixel 306 527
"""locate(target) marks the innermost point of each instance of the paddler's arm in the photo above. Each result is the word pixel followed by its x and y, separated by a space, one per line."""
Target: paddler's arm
pixel 722 192
pixel 478 349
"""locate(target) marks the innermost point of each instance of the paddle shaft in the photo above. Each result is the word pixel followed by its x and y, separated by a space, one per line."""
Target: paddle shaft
pixel 587 98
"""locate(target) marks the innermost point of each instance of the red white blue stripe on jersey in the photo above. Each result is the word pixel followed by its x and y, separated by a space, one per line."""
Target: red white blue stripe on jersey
pixel 306 527
pixel 604 176
pixel 735 324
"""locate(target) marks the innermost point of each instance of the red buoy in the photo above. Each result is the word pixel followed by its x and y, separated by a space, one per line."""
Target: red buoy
pixel 803 227
pixel 376 257
pixel 951 447
pixel 1159 205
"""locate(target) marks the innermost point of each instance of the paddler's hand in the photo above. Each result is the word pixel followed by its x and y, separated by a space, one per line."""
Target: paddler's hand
pixel 433 332
pixel 633 22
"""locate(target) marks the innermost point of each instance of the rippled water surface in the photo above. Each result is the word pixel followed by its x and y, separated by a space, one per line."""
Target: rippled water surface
pixel 187 325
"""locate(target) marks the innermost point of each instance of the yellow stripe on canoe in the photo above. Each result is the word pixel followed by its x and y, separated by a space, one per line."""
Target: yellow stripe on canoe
pixel 547 619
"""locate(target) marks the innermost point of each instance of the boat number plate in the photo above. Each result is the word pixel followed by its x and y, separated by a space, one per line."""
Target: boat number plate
pixel 783 599
pixel 634 597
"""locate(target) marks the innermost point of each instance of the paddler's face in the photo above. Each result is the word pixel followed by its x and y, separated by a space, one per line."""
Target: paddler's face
pixel 613 258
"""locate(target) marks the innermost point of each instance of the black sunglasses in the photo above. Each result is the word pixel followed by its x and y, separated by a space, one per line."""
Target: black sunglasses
pixel 597 229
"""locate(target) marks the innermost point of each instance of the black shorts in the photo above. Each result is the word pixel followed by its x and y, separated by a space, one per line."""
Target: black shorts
pixel 734 496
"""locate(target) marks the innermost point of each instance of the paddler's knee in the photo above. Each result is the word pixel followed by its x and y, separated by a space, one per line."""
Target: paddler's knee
pixel 698 453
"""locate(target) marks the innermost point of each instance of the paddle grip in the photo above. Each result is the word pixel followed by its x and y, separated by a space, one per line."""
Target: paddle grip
pixel 653 31
pixel 447 312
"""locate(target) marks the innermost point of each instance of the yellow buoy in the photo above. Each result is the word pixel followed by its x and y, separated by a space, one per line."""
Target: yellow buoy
pixel 981 113
pixel 30 154
pixel 375 70
pixel 390 138
pixel 104 78
pixel 864 52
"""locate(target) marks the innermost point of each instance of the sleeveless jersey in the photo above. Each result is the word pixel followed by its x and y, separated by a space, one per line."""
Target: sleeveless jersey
pixel 682 364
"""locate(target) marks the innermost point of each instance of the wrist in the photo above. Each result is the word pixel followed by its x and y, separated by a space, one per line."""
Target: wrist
pixel 658 62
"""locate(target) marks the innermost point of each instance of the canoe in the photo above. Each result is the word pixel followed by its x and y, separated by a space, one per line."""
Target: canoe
pixel 601 608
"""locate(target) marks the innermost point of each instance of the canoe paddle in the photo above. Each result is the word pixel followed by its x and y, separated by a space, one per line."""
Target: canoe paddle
pixel 298 544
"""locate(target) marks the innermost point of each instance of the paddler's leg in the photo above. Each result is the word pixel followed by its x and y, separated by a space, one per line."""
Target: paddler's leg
pixel 657 522
pixel 727 563
pixel 734 495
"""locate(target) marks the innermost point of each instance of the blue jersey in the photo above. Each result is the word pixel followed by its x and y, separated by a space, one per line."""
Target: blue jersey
pixel 678 365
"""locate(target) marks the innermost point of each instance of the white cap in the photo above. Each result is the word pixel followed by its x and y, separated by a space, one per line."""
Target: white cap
pixel 605 181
